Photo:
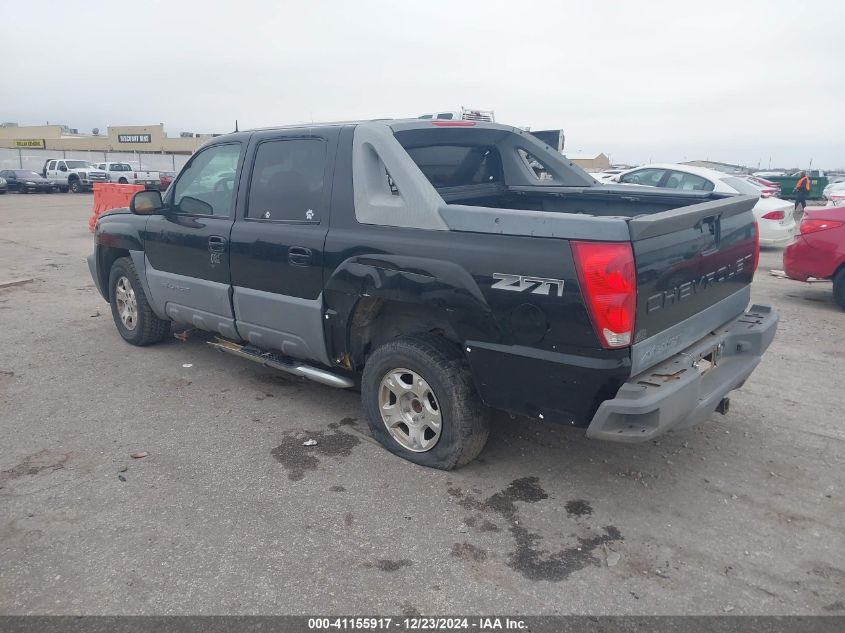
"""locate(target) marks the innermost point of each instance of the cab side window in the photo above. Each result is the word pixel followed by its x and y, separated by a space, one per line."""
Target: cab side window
pixel 287 181
pixel 51 165
pixel 207 185
pixel 688 182
pixel 649 176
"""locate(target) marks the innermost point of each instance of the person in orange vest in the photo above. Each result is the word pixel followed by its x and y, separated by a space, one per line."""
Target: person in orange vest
pixel 801 191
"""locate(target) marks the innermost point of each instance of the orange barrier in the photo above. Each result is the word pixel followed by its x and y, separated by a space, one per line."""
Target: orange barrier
pixel 108 196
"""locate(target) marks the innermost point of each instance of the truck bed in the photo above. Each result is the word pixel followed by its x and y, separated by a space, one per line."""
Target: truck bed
pixel 599 201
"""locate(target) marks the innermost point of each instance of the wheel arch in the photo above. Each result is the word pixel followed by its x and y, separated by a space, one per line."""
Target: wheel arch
pixel 375 298
pixel 376 321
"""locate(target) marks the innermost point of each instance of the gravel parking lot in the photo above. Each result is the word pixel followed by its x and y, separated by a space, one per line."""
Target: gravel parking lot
pixel 229 513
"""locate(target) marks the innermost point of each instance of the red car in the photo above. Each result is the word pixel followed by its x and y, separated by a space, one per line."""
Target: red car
pixel 164 179
pixel 819 249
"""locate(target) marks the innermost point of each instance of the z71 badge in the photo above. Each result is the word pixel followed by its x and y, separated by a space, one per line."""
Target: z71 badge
pixel 535 285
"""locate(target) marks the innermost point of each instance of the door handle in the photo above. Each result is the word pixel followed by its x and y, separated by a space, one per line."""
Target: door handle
pixel 300 256
pixel 216 244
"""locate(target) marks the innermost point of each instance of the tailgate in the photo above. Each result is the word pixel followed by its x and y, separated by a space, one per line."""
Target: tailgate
pixel 694 270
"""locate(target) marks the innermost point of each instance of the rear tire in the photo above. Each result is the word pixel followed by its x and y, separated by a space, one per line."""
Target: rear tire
pixel 123 181
pixel 436 368
pixel 135 320
pixel 839 288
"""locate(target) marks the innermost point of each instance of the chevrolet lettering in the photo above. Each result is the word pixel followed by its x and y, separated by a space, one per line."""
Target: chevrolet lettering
pixel 685 290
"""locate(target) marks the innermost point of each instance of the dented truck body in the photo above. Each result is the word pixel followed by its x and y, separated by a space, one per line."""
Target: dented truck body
pixel 622 310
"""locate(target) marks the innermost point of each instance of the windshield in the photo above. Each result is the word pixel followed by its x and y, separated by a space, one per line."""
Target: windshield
pixel 742 186
pixel 22 173
pixel 78 164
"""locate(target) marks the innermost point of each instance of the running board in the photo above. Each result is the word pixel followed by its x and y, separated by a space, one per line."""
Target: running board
pixel 282 363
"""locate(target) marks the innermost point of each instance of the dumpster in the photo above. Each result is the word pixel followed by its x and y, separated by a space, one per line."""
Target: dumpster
pixel 818 181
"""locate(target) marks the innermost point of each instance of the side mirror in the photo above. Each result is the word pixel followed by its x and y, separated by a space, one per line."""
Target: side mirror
pixel 62 168
pixel 146 203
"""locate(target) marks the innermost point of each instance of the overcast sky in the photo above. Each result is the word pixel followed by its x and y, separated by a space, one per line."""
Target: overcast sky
pixel 737 81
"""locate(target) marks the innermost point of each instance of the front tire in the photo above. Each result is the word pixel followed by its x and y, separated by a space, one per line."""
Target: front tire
pixel 75 187
pixel 421 402
pixel 839 288
pixel 135 320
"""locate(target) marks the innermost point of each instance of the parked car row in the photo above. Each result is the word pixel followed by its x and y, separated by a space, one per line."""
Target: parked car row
pixel 774 216
pixel 59 174
pixel 25 181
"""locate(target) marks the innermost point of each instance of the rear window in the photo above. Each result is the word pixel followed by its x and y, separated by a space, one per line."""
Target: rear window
pixel 742 186
pixel 458 165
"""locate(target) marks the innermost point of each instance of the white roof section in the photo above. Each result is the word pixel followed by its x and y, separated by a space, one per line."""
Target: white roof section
pixel 712 174
pixel 582 155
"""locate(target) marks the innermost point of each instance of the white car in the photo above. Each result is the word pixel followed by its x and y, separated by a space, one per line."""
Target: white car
pixel 125 174
pixel 834 193
pixel 72 175
pixel 774 216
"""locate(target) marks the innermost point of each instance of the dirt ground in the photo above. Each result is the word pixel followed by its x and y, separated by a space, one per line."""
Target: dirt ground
pixel 229 513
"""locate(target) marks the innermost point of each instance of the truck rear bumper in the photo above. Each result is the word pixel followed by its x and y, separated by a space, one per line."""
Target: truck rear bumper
pixel 686 388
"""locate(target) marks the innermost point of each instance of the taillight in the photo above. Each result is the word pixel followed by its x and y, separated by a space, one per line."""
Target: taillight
pixel 813 226
pixel 608 281
pixel 774 215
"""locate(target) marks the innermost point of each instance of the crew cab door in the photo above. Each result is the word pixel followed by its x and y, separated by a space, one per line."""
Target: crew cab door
pixel 278 240
pixel 187 246
pixel 50 171
pixel 55 173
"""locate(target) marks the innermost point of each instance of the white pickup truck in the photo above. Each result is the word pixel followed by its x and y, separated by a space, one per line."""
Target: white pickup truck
pixel 73 175
pixel 125 174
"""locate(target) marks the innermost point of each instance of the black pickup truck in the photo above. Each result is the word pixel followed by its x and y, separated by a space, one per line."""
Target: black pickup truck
pixel 443 267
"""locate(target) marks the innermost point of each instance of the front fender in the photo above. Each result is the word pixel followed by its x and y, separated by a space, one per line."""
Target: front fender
pixel 118 228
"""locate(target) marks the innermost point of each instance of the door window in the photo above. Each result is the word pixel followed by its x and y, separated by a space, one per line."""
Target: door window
pixel 51 165
pixel 207 185
pixel 688 182
pixel 287 181
pixel 649 176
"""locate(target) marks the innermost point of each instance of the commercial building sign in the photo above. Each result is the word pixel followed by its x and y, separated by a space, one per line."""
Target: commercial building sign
pixel 133 138
pixel 37 143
